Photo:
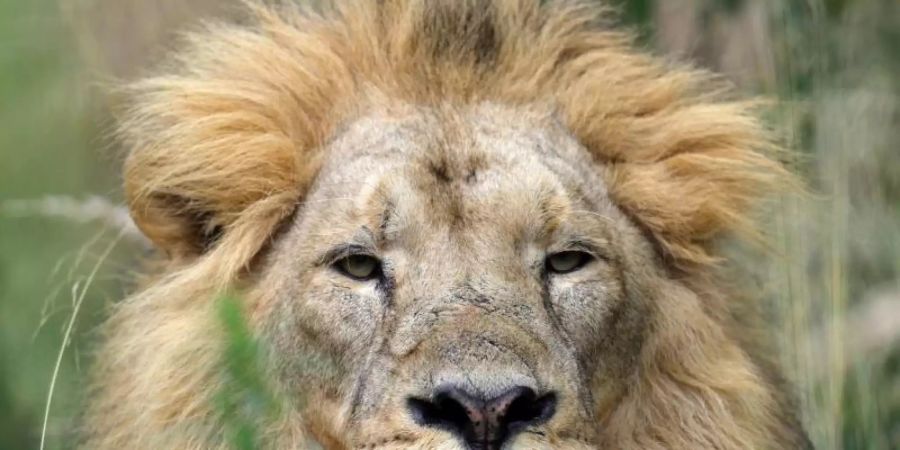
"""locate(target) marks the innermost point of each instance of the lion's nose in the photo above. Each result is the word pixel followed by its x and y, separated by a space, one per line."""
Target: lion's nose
pixel 483 423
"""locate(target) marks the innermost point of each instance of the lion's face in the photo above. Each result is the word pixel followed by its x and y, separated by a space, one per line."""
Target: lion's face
pixel 469 272
pixel 455 277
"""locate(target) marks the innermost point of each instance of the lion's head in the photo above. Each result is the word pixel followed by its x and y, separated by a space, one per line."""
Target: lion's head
pixel 453 224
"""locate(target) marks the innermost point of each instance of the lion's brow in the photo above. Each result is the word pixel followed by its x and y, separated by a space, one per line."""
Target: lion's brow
pixel 386 230
pixel 343 250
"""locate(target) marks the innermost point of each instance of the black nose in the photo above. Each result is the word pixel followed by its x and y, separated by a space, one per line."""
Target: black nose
pixel 483 423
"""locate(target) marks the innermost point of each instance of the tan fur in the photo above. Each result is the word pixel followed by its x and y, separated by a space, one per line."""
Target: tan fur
pixel 230 138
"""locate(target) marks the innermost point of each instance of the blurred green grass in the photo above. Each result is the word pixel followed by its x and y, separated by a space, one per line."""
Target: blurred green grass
pixel 833 287
pixel 48 144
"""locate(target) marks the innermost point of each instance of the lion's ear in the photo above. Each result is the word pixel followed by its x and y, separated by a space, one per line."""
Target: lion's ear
pixel 177 225
pixel 192 192
pixel 697 173
pixel 221 146
pixel 202 162
pixel 687 204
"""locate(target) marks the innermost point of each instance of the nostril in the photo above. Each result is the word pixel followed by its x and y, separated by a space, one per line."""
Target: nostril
pixel 520 409
pixel 445 410
pixel 483 423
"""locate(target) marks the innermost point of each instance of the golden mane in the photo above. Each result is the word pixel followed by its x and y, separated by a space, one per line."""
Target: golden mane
pixel 228 136
pixel 226 140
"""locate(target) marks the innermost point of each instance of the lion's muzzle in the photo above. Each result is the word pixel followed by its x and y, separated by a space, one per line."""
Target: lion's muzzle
pixel 481 421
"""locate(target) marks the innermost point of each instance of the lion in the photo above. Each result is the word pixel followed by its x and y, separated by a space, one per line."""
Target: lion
pixel 450 224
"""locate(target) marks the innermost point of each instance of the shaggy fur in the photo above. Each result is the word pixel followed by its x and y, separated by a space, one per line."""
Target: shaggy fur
pixel 230 138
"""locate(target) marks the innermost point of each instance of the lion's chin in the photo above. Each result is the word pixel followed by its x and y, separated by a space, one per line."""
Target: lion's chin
pixel 440 441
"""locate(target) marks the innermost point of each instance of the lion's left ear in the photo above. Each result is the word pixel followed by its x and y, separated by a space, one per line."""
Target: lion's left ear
pixel 688 203
pixel 692 174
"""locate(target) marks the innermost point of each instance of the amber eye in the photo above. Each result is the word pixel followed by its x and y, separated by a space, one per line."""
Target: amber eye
pixel 568 261
pixel 359 267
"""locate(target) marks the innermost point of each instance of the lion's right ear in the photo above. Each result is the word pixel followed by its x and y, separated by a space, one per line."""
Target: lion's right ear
pixel 206 169
pixel 203 159
pixel 194 188
pixel 176 225
pixel 222 147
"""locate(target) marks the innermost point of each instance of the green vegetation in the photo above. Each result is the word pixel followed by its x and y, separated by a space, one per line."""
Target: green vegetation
pixel 245 401
pixel 49 143
pixel 833 286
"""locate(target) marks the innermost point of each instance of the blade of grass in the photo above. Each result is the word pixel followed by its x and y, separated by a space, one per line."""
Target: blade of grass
pixel 78 297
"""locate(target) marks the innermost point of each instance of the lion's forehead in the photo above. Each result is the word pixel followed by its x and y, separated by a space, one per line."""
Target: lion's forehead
pixel 475 169
pixel 502 133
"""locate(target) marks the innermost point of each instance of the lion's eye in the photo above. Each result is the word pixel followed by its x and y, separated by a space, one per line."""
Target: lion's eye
pixel 568 261
pixel 359 267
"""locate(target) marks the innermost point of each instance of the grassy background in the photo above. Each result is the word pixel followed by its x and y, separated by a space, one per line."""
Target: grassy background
pixel 833 288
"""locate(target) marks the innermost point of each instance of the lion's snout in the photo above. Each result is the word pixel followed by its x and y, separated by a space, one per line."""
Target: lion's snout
pixel 488 376
pixel 482 421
